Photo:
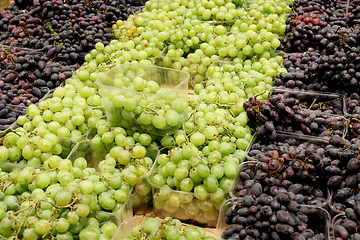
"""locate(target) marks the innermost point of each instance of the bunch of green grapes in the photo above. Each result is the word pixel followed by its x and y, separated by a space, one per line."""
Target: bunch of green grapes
pixel 133 153
pixel 263 15
pixel 244 78
pixel 168 228
pixel 63 200
pixel 66 125
pixel 196 64
pixel 149 99
pixel 219 10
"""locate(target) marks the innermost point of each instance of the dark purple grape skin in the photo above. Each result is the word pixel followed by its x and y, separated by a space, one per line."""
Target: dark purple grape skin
pixel 341 232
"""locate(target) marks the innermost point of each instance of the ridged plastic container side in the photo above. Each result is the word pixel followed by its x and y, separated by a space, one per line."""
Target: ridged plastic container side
pixel 125 228
pixel 16 167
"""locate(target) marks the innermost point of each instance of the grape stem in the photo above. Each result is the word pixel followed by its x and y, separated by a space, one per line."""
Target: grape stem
pixel 312 103
pixel 153 111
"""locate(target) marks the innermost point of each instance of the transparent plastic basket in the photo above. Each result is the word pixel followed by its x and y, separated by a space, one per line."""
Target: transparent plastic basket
pixel 313 100
pixel 254 165
pixel 186 206
pixel 141 195
pixel 319 219
pixel 125 228
pixel 139 108
pixel 195 67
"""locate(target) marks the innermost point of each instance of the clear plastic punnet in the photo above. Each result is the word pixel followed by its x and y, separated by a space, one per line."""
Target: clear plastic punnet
pixel 318 220
pixel 253 166
pixel 195 67
pixel 326 103
pixel 141 195
pixel 145 98
pixel 125 228
pixel 200 208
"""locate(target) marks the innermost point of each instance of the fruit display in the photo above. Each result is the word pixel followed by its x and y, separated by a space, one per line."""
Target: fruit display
pixel 239 115
pixel 58 201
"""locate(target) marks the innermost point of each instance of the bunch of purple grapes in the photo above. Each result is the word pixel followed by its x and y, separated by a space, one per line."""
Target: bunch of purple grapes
pixel 325 40
pixel 283 112
pixel 272 216
pixel 346 226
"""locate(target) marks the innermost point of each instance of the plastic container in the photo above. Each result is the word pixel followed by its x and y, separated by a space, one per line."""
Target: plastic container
pixel 195 67
pixel 335 222
pixel 319 219
pixel 314 101
pixel 282 137
pixel 141 196
pixel 136 110
pixel 242 168
pixel 126 226
pixel 254 165
pixel 186 206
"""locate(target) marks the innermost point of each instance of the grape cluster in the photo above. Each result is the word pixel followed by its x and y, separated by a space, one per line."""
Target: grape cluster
pixel 327 37
pixel 273 216
pixel 22 75
pixel 64 200
pixel 252 174
pixel 168 228
pixel 294 160
pixel 345 225
pixel 352 105
pixel 283 112
pixel 287 175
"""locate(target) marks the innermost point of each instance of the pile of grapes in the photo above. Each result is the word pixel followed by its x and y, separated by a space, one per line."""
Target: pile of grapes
pixel 94 144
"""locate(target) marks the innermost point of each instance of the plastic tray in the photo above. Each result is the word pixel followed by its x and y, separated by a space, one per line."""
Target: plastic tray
pixel 319 219
pixel 253 165
pixel 141 196
pixel 313 100
pixel 201 210
pixel 140 103
pixel 126 226
pixel 283 136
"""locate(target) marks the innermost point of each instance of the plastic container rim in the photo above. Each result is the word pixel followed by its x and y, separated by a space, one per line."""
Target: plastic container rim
pixel 101 85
